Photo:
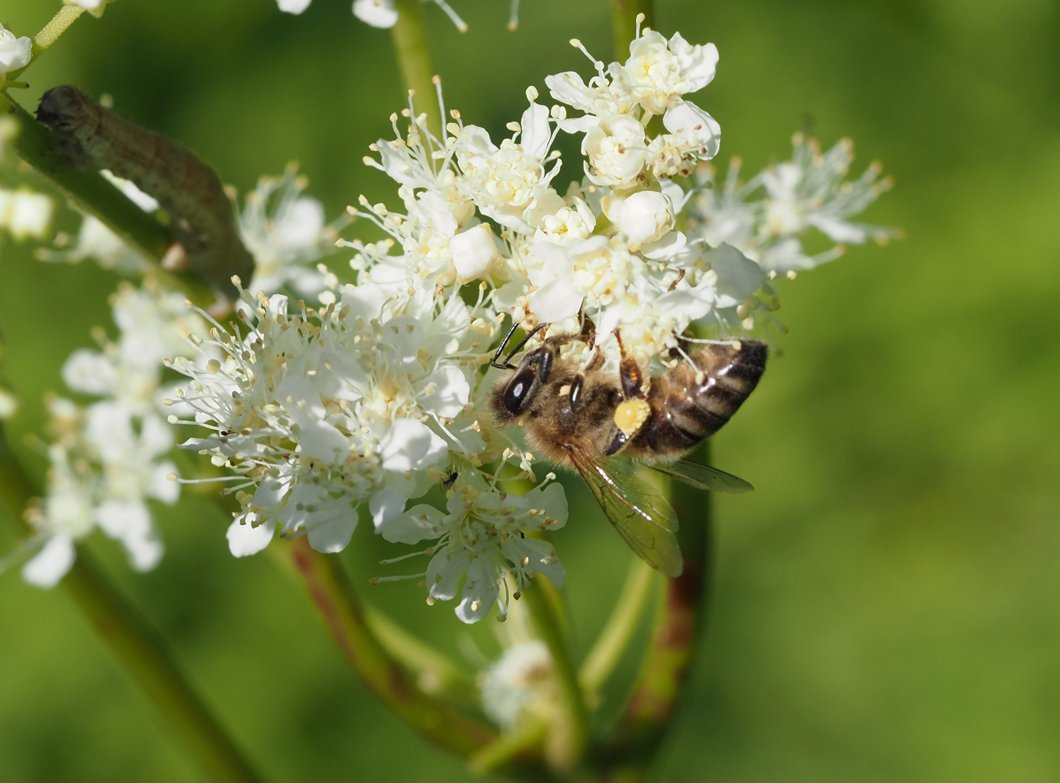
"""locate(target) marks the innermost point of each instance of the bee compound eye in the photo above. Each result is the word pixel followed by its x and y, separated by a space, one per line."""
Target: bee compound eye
pixel 518 390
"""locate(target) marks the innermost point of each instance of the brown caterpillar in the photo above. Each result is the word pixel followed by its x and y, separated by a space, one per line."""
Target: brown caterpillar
pixel 90 137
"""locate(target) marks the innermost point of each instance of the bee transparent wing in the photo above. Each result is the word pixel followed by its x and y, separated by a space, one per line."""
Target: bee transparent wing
pixel 703 476
pixel 640 514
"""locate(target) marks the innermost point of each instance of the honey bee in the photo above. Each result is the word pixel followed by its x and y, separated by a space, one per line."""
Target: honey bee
pixel 581 417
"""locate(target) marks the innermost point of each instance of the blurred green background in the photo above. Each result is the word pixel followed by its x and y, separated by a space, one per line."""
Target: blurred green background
pixel 887 604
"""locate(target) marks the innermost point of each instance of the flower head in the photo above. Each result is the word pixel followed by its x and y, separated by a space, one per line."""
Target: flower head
pixel 15 53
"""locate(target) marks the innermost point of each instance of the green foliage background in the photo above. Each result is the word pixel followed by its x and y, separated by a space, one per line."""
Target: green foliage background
pixel 887 604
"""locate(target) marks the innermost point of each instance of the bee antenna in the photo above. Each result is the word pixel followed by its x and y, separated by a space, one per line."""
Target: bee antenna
pixel 507 363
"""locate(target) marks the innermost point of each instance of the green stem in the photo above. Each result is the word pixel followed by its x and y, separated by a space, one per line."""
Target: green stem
pixel 49 34
pixel 624 23
pixel 569 735
pixel 615 637
pixel 341 610
pixel 138 648
pixel 676 631
pixel 414 58
pixel 435 672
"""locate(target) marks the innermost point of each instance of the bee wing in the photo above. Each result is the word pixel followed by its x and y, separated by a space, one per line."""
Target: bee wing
pixel 641 516
pixel 703 476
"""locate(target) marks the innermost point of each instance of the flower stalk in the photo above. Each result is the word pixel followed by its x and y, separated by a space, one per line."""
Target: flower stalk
pixel 414 59
pixel 624 15
pixel 568 737
pixel 138 648
pixel 346 618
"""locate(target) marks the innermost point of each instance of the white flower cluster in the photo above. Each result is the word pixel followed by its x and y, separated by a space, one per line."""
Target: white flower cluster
pixel 383 13
pixel 365 404
pixel 766 217
pixel 108 459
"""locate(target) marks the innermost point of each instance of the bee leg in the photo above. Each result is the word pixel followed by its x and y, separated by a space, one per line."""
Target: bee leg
pixel 629 373
pixel 579 380
pixel 588 335
pixel 633 412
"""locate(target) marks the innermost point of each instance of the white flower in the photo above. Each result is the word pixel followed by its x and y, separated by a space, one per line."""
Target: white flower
pixel 285 232
pixel 642 217
pixel 105 465
pixel 15 52
pixel 96 241
pixel 25 214
pixel 507 182
pixel 519 683
pixel 658 71
pixel 293 6
pixel 615 151
pixel 325 411
pixel 481 541
pixel 8 404
pixel 474 252
pixel 766 217
pixel 377 13
pixel 94 7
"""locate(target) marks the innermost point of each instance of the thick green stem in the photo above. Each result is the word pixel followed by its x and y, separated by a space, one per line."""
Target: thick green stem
pixel 341 610
pixel 624 23
pixel 138 648
pixel 569 735
pixel 414 58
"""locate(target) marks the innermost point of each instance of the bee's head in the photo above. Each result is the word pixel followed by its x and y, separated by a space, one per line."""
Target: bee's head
pixel 513 393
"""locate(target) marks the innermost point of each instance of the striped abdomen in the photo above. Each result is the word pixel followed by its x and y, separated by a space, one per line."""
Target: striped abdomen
pixel 688 406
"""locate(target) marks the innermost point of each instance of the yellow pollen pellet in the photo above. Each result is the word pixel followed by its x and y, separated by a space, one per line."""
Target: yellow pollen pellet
pixel 630 416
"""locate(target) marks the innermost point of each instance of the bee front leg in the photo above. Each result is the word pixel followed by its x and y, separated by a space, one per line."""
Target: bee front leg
pixel 634 411
pixel 579 380
pixel 629 373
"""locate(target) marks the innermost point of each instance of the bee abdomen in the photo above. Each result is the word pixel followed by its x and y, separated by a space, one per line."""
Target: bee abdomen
pixel 689 404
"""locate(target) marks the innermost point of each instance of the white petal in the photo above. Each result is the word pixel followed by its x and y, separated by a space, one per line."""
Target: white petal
pixel 451 395
pixel 419 523
pixel 479 591
pixel 385 505
pixel 556 300
pixel 90 372
pixel 245 539
pixel 695 128
pixel 474 251
pixel 410 445
pixel 50 565
pixel 293 6
pixel 377 13
pixel 536 133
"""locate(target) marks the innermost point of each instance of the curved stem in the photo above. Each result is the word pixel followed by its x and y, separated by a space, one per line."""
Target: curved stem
pixel 138 648
pixel 568 736
pixel 614 639
pixel 624 23
pixel 346 618
pixel 414 58
pixel 435 672
pixel 676 632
